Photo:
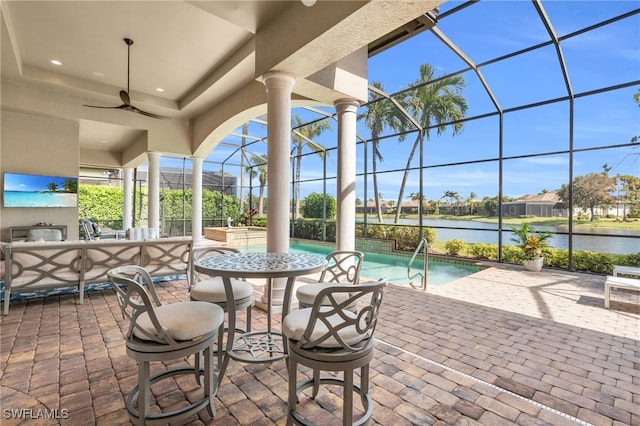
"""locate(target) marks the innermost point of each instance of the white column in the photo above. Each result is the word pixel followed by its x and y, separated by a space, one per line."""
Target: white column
pixel 153 188
pixel 346 182
pixel 279 86
pixel 127 189
pixel 196 203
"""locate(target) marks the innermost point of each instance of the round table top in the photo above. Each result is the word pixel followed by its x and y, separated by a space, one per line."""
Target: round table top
pixel 260 264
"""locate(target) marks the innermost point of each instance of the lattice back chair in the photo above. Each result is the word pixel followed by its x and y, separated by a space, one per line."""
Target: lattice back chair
pixel 330 337
pixel 160 332
pixel 343 268
pixel 211 289
pixel 87 227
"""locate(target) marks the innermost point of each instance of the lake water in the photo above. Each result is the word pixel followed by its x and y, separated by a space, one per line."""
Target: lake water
pixel 606 240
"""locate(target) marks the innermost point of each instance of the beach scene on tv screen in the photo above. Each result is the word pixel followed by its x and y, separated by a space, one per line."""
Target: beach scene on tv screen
pixel 22 190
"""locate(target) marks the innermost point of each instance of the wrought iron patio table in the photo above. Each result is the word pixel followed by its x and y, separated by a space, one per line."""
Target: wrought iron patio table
pixel 264 345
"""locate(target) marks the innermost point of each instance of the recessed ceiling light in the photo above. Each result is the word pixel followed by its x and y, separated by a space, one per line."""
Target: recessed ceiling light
pixel 104 141
pixel 159 89
pixel 56 62
pixel 98 74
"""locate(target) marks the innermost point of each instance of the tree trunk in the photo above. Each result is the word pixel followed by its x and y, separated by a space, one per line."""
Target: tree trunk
pixel 245 130
pixel 296 195
pixel 261 201
pixel 404 179
pixel 375 183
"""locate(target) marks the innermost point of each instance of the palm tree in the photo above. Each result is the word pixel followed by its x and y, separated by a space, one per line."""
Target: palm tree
pixel 302 136
pixel 70 185
pixel 472 202
pixel 259 161
pixel 415 196
pixel 452 196
pixel 433 103
pixel 380 114
pixel 245 132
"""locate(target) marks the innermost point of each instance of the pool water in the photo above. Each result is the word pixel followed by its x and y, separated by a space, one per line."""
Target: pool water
pixel 394 268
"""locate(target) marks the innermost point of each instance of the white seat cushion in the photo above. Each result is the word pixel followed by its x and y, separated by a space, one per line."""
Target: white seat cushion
pixel 212 290
pixel 45 234
pixel 307 293
pixel 183 320
pixel 142 234
pixel 295 323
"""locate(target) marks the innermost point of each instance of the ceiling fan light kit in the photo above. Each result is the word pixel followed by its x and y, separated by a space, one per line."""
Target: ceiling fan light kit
pixel 124 94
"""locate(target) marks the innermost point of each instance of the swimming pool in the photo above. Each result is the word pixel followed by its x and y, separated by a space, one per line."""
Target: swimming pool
pixel 394 268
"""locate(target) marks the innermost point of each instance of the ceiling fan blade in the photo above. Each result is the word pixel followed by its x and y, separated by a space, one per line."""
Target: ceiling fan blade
pixel 125 97
pixel 124 94
pixel 148 114
pixel 106 107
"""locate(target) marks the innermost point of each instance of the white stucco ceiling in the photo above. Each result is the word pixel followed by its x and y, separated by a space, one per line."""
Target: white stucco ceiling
pixel 199 52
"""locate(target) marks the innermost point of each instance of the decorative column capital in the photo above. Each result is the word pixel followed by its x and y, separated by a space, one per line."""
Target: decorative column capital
pixel 346 105
pixel 278 80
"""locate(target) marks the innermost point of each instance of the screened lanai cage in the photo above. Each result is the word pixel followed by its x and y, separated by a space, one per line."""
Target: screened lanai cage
pixel 481 115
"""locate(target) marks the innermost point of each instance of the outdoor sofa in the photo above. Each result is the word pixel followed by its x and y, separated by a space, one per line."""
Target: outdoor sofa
pixel 44 265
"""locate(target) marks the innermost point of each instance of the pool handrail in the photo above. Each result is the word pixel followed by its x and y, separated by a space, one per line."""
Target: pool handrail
pixel 424 245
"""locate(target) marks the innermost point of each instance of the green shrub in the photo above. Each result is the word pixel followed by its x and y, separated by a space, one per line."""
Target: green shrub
pixel 455 247
pixel 104 204
pixel 406 237
pixel 313 206
pixel 557 258
pixel 483 251
pixel 631 260
pixel 430 234
pixel 260 221
pixel 511 254
pixel 586 260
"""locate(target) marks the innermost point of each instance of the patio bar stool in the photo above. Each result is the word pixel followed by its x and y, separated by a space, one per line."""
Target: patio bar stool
pixel 162 333
pixel 343 268
pixel 212 289
pixel 329 336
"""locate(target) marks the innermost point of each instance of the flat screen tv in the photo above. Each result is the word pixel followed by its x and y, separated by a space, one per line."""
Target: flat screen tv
pixel 25 190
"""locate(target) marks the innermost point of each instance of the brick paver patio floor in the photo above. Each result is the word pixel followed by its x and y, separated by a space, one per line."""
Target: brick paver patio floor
pixel 503 346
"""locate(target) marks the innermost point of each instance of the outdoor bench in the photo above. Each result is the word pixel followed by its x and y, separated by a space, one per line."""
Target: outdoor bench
pixel 621 283
pixel 630 271
pixel 33 266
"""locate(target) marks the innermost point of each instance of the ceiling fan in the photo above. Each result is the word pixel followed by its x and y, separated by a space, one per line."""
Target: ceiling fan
pixel 124 94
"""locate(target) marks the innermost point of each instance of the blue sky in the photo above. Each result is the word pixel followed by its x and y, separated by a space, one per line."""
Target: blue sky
pixel 604 57
pixel 22 182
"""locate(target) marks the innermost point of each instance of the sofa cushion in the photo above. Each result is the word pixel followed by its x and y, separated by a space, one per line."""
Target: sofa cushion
pixel 44 234
pixel 142 234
